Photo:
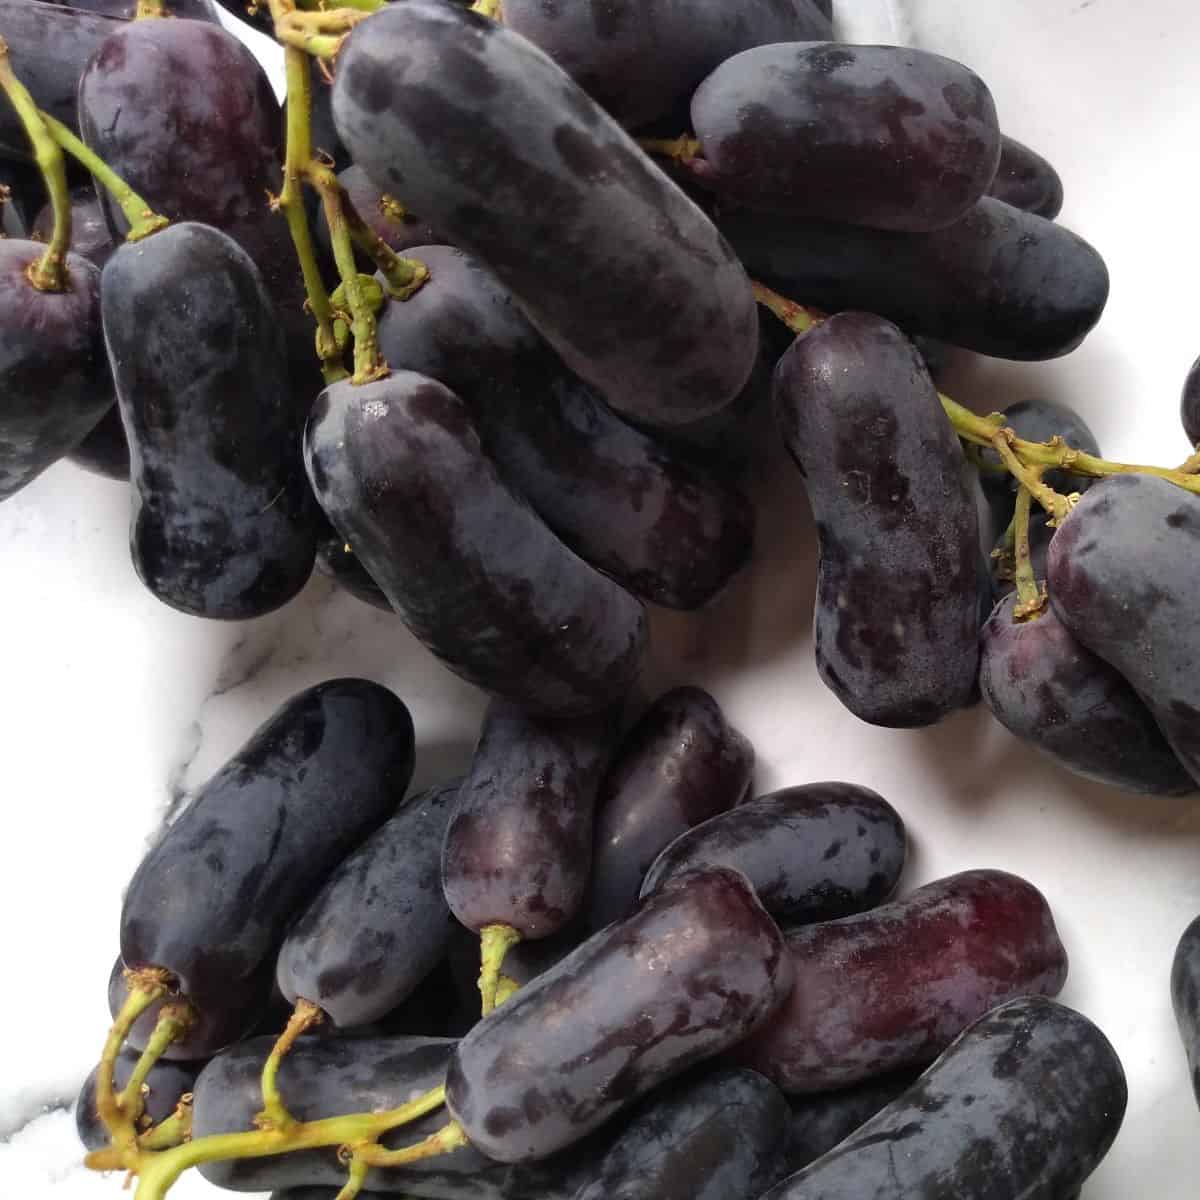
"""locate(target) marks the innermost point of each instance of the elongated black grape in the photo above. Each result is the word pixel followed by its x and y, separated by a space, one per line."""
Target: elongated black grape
pixel 1000 281
pixel 399 470
pixel 222 523
pixel 1025 1103
pixel 640 60
pixel 1044 686
pixel 54 384
pixel 885 136
pixel 624 276
pixel 518 848
pixel 812 853
pixel 164 1088
pixel 1185 998
pixel 50 46
pixel 211 901
pixel 380 923
pixel 896 622
pixel 337 561
pixel 1026 180
pixel 820 1122
pixel 717 1137
pixel 681 764
pixel 1122 580
pixel 26 195
pixel 105 450
pixel 891 988
pixel 1189 409
pixel 691 973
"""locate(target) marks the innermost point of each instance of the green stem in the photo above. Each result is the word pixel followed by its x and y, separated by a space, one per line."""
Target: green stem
pixel 489 8
pixel 1006 551
pixel 172 1023
pixel 1030 600
pixel 149 8
pixel 796 317
pixel 1030 478
pixel 49 273
pixel 679 149
pixel 505 989
pixel 404 276
pixel 449 1137
pixel 358 1177
pixel 1190 465
pixel 275 1114
pixel 495 941
pixel 367 6
pixel 143 221
pixel 174 1131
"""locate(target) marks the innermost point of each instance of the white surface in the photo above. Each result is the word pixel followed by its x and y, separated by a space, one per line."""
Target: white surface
pixel 112 703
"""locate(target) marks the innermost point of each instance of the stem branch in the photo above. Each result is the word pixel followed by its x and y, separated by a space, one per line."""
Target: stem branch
pixel 172 1023
pixel 495 941
pixel 796 317
pixel 275 1114
pixel 1030 598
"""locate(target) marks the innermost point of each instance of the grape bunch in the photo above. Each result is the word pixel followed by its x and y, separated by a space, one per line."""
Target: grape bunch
pixel 580 250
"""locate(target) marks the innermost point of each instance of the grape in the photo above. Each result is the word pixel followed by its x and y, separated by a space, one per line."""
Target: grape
pixel 105 451
pixel 1026 180
pixel 640 60
pixel 893 987
pixel 164 1087
pixel 897 606
pixel 1044 686
pixel 50 46
pixel 1025 1103
pixel 337 561
pixel 1185 998
pixel 681 764
pixel 694 970
pixel 1122 580
pixel 222 523
pixel 717 1137
pixel 380 923
pixel 54 384
pixel 820 1122
pixel 1190 404
pixel 999 281
pixel 623 275
pixel 812 853
pixel 211 900
pixel 26 192
pixel 662 526
pixel 518 848
pixel 399 470
pixel 884 136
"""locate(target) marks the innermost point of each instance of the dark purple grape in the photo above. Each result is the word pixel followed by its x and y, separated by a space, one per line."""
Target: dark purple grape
pixel 518 850
pixel 54 384
pixel 1025 1103
pixel 403 234
pixel 640 60
pixel 893 987
pixel 105 451
pixel 91 237
pixel 885 136
pixel 1044 686
pixel 223 523
pixel 26 193
pixel 820 1122
pixel 338 562
pixel 1185 998
pixel 379 924
pixel 897 610
pixel 623 275
pixel 999 281
pixel 1026 180
pixel 825 7
pixel 812 853
pixel 399 470
pixel 50 46
pixel 165 1086
pixel 718 1137
pixel 691 973
pixel 1122 580
pixel 1189 408
pixel 212 899
pixel 681 764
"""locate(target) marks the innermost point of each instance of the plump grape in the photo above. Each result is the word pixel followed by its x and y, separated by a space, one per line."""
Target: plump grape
pixel 885 136
pixel 1026 180
pixel 399 470
pixel 999 281
pixel 623 275
pixel 54 381
pixel 1189 409
pixel 690 974
pixel 1122 580
pixel 1044 686
pixel 165 1086
pixel 518 847
pixel 681 764
pixel 812 853
pixel 1185 998
pixel 336 560
pixel 897 605
pixel 1025 1103
pixel 211 900
pixel 715 1137
pixel 641 60
pixel 222 522
pixel 105 451
pixel 380 923
pixel 893 987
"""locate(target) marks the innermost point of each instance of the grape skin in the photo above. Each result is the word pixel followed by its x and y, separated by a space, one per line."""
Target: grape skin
pixel 1189 408
pixel 1185 998
pixel 1026 180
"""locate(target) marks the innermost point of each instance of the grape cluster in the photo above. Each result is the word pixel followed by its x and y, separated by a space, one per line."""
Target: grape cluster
pixel 580 247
